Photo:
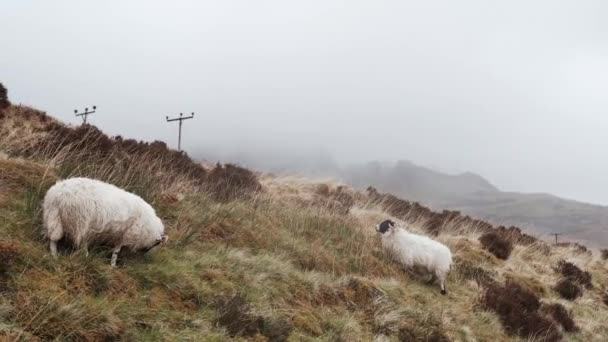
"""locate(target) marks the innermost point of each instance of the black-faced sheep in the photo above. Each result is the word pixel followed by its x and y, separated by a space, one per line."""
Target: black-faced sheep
pixel 412 250
pixel 87 211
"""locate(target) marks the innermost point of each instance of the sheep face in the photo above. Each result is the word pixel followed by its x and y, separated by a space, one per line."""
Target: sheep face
pixel 385 226
pixel 158 241
pixel 157 238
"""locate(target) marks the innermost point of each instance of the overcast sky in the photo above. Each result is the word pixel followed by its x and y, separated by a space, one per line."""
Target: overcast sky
pixel 513 90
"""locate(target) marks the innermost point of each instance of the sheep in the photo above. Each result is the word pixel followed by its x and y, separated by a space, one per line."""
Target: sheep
pixel 413 250
pixel 86 211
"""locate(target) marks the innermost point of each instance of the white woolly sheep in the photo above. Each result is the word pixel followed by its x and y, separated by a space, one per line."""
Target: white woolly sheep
pixel 416 250
pixel 87 211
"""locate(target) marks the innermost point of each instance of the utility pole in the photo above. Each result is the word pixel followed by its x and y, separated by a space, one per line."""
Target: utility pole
pixel 181 118
pixel 556 235
pixel 85 113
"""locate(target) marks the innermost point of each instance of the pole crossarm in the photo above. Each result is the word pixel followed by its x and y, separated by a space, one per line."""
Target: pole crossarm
pixel 86 113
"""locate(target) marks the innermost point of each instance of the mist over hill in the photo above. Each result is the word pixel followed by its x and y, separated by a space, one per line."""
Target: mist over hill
pixel 539 213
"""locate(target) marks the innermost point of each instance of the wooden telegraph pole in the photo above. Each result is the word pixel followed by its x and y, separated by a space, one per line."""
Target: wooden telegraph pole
pixel 181 118
pixel 556 235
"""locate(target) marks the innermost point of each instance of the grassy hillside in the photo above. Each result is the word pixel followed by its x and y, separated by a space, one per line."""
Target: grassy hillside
pixel 253 257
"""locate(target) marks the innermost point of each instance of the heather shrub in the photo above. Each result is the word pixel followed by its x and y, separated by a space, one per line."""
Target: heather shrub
pixel 3 97
pixel 518 310
pixel 574 274
pixel 568 289
pixel 497 245
pixel 559 314
pixel 604 254
pixel 9 251
pixel 605 298
pixel 323 190
pixel 228 182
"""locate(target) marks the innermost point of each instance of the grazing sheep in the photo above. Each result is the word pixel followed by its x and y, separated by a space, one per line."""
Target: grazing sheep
pixel 87 211
pixel 416 250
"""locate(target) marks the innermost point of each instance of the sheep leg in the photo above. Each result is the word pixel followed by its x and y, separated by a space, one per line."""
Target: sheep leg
pixel 442 278
pixel 54 248
pixel 115 256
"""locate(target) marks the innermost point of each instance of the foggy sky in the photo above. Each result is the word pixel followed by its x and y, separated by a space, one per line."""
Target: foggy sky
pixel 513 90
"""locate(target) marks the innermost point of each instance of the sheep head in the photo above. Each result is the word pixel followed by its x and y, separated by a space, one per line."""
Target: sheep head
pixel 385 226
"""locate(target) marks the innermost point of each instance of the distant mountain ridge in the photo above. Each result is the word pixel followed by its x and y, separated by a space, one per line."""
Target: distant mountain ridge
pixel 418 182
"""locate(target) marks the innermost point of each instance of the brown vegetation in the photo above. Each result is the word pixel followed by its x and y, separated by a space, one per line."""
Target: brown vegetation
pixel 604 253
pixel 235 315
pixel 571 272
pixel 568 289
pixel 518 309
pixel 496 244
pixel 3 98
pixel 559 314
pixel 227 182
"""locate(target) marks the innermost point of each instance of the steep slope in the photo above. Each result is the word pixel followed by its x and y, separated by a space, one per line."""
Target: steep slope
pixel 292 261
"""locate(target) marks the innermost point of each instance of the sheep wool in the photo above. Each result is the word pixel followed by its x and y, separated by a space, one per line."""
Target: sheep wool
pixel 87 211
pixel 416 250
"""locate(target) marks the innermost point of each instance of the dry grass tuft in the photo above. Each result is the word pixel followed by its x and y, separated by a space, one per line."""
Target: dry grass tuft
pixel 529 282
pixel 59 319
pixel 337 200
pixel 235 315
pixel 497 245
pixel 20 174
pixel 471 271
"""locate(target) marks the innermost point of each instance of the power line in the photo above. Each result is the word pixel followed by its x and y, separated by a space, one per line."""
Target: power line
pixel 85 113
pixel 181 118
